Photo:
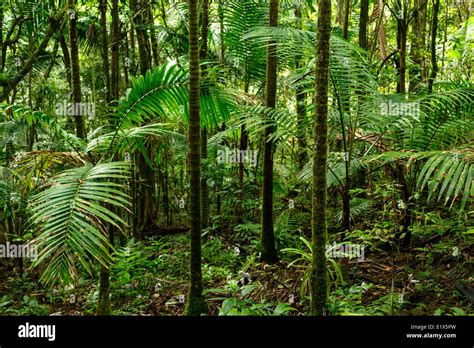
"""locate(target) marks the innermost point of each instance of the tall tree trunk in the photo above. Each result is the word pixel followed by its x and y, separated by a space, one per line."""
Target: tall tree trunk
pixel 114 82
pixel 138 8
pixel 105 46
pixel 75 70
pixel 103 305
pixel 268 250
pixel 221 33
pixel 340 12
pixel 153 40
pixel 417 46
pixel 195 304
pixel 145 219
pixel 345 28
pixel 363 22
pixel 132 54
pixel 402 47
pixel 243 147
pixel 382 34
pixel 319 276
pixel 434 32
pixel 2 55
pixel 66 58
pixel 203 56
pixel 300 104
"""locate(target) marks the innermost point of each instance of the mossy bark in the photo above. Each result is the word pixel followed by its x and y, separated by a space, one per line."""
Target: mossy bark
pixel 105 47
pixel 434 32
pixel 363 22
pixel 268 250
pixel 204 152
pixel 103 305
pixel 196 304
pixel 75 70
pixel 301 96
pixel 319 275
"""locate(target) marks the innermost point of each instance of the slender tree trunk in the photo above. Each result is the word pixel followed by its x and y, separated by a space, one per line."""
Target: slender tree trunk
pixel 319 276
pixel 75 70
pixel 66 58
pixel 103 306
pixel 301 104
pixel 2 55
pixel 434 32
pixel 268 250
pixel 114 82
pixel 204 56
pixel 103 303
pixel 153 40
pixel 243 147
pixel 340 12
pixel 166 203
pixel 363 22
pixel 382 34
pixel 145 220
pixel 221 33
pixel 138 8
pixel 105 46
pixel 445 39
pixel 402 47
pixel 195 304
pixel 132 52
pixel 127 63
pixel 417 46
pixel 345 28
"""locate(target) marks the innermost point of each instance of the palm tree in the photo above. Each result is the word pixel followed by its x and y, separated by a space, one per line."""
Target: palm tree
pixel 203 56
pixel 364 19
pixel 75 69
pixel 268 250
pixel 195 304
pixel 319 281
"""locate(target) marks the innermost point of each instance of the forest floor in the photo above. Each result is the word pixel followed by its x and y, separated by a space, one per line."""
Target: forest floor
pixel 150 278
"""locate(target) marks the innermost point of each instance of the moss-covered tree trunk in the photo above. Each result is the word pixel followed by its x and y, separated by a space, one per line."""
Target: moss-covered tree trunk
pixel 434 32
pixel 363 22
pixel 345 27
pixel 145 219
pixel 195 303
pixel 138 8
pixel 105 47
pixel 75 70
pixel 112 93
pixel 319 275
pixel 402 48
pixel 204 56
pixel 114 81
pixel 153 39
pixel 300 103
pixel 417 45
pixel 268 250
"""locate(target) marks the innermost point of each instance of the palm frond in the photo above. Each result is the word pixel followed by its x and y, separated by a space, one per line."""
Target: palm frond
pixel 70 218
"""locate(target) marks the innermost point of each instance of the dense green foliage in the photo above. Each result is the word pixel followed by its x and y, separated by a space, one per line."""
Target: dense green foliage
pixel 106 153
